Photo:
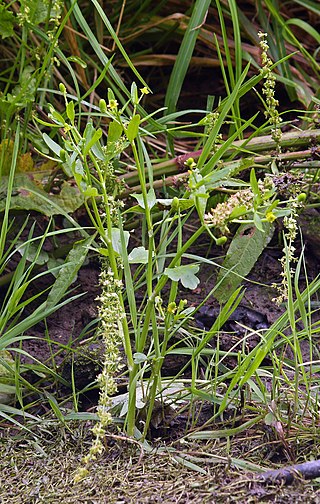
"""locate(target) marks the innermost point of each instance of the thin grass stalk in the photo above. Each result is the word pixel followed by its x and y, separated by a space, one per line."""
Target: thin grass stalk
pixel 5 220
pixel 184 55
pixel 253 360
pixel 233 76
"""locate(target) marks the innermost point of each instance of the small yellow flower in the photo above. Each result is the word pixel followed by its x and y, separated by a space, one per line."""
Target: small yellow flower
pixel 270 217
pixel 113 104
pixel 172 308
pixel 190 163
pixel 145 90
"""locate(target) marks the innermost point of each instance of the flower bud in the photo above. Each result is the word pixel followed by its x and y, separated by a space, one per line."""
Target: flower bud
pixel 62 88
pixel 221 241
pixel 302 197
pixel 103 106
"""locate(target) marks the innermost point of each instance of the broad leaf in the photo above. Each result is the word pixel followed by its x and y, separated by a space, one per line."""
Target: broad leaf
pixel 244 251
pixel 139 358
pixel 133 128
pixel 67 274
pixel 116 240
pixel 114 132
pixel 27 196
pixel 186 274
pixel 138 255
pixel 151 199
pixel 33 255
pixel 7 21
pixel 54 146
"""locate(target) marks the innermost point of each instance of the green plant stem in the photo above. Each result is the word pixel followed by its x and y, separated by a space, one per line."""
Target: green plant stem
pixel 150 308
pixel 161 354
pixel 145 329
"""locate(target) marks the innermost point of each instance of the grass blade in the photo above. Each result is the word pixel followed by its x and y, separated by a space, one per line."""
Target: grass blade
pixel 184 55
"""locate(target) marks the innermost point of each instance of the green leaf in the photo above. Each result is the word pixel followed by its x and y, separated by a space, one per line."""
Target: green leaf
pixel 7 20
pixel 198 192
pixel 78 170
pixel 151 199
pixel 206 151
pixel 133 128
pixel 303 25
pixel 24 92
pixel 183 59
pixel 70 111
pixel 98 151
pixel 54 146
pixel 257 222
pixel 175 203
pixel 186 274
pixel 237 212
pixel 103 251
pixel 38 10
pixel 68 272
pixel 92 136
pixel 139 358
pixel 91 192
pixel 78 60
pixel 134 94
pixel 245 249
pixel 69 199
pixel 138 255
pixel 7 365
pixel 116 240
pixel 33 255
pixel 255 187
pixel 27 196
pixel 114 132
pixel 56 117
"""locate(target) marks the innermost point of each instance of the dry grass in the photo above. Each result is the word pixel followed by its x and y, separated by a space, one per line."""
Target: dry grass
pixel 35 472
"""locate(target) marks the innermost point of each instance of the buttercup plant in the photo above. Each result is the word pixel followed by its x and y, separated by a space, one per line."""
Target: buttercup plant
pixel 92 165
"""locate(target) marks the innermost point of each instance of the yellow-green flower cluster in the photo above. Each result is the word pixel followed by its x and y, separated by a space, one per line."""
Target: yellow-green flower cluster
pixel 111 314
pixel 269 91
pixel 242 200
pixel 220 215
